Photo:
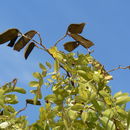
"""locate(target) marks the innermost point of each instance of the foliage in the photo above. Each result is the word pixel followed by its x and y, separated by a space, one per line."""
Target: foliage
pixel 81 98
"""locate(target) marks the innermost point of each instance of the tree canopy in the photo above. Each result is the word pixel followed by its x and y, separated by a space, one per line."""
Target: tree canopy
pixel 81 97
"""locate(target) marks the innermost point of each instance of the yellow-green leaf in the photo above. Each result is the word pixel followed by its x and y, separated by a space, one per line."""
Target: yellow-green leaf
pixel 34 84
pixel 84 116
pixel 48 64
pixel 72 114
pixel 37 75
pixel 42 67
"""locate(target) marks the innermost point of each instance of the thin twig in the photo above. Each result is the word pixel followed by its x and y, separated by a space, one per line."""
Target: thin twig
pixel 39 37
pixel 127 67
pixel 60 39
pixel 36 41
pixel 22 109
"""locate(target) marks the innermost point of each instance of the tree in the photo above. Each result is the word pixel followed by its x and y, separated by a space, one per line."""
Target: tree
pixel 81 97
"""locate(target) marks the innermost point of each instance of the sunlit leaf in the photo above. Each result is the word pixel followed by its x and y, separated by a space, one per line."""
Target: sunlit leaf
pixel 29 49
pixel 76 28
pixel 56 54
pixel 42 67
pixel 34 84
pixel 37 75
pixel 31 101
pixel 21 43
pixel 8 35
pixel 109 113
pixel 72 114
pixel 51 97
pixel 70 46
pixel 77 107
pixel 84 116
pixel 11 99
pixel 82 41
pixel 56 66
pixel 19 90
pixel 122 100
pixel 128 119
pixel 48 64
pixel 107 123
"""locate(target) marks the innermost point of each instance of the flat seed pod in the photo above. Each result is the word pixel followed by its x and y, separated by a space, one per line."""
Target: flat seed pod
pixel 8 35
pixel 24 40
pixel 28 49
pixel 81 40
pixel 76 28
pixel 70 46
pixel 12 42
pixel 31 101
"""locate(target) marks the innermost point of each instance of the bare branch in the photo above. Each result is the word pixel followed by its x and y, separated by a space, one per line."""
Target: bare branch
pixel 22 109
pixel 60 39
pixel 127 67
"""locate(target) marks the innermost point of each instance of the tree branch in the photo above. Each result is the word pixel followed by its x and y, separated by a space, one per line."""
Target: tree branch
pixel 127 67
pixel 60 39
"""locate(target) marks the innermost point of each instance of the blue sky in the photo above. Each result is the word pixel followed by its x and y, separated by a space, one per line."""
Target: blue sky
pixel 108 26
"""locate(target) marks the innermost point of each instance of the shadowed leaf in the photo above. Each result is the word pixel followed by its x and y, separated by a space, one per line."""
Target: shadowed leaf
pixel 8 35
pixel 12 42
pixel 31 101
pixel 28 49
pixel 76 28
pixel 24 40
pixel 70 46
pixel 82 41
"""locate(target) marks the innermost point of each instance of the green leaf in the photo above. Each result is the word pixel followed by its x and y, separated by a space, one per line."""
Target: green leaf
pixel 50 98
pixel 48 64
pixel 10 109
pixel 121 112
pixel 109 113
pixel 34 84
pixel 96 105
pixel 76 28
pixel 72 114
pixel 122 100
pixel 42 67
pixel 84 116
pixel 56 65
pixel 82 41
pixel 107 123
pixel 70 46
pixel 40 82
pixel 19 90
pixel 29 49
pixel 21 43
pixel 8 35
pixel 31 101
pixel 37 75
pixel 11 99
pixel 128 119
pixel 77 107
